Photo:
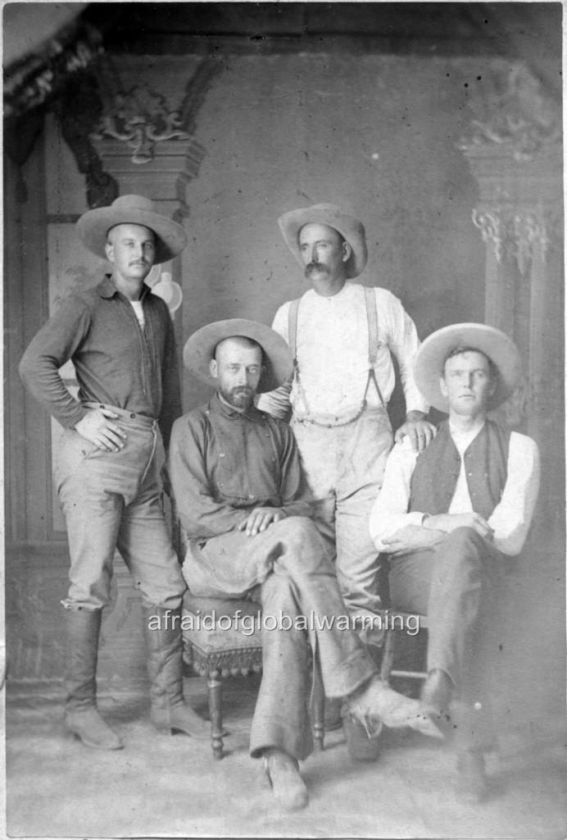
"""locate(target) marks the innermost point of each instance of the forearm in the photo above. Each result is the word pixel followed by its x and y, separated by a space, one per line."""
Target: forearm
pixel 40 375
pixel 277 403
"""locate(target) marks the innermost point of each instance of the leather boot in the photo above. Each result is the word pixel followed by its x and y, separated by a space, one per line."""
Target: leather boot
pixel 81 715
pixel 169 710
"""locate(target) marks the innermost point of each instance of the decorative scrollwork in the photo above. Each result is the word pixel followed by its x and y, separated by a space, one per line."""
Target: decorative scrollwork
pixel 514 112
pixel 141 118
pixel 514 232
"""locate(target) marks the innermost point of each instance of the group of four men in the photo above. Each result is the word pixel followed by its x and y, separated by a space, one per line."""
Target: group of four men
pixel 286 513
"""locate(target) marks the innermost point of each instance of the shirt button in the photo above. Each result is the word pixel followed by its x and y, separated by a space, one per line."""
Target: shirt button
pixel 132 415
pixel 251 496
pixel 221 454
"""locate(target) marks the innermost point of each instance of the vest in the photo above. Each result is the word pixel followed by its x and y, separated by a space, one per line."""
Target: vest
pixel 437 469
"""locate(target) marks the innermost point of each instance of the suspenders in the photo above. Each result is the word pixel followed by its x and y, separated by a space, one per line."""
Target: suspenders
pixel 373 344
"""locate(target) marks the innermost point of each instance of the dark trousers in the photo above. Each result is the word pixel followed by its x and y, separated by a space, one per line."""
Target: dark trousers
pixel 456 585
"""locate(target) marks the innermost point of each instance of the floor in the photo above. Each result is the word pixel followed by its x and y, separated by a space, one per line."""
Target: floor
pixel 164 786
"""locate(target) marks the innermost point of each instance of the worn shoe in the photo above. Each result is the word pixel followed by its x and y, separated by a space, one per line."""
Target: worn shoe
pixel 287 785
pixel 376 702
pixel 471 785
pixel 88 725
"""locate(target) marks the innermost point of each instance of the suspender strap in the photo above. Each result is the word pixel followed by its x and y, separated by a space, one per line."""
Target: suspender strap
pixel 292 327
pixel 372 316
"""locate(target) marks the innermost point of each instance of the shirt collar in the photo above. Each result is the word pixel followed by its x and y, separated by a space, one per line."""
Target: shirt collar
pixel 107 289
pixel 220 406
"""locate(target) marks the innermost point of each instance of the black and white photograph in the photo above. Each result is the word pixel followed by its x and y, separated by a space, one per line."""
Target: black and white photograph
pixel 284 428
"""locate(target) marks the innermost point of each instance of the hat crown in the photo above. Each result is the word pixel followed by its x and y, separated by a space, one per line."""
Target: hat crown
pixel 133 202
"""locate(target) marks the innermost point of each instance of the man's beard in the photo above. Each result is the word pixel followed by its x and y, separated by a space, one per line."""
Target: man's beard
pixel 315 266
pixel 241 397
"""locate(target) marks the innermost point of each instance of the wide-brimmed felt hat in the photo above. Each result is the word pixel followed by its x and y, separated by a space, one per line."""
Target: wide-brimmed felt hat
pixel 93 226
pixel 495 344
pixel 200 347
pixel 327 214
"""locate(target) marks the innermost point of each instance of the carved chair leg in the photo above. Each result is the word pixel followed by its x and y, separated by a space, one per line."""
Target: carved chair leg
pixel 318 706
pixel 214 685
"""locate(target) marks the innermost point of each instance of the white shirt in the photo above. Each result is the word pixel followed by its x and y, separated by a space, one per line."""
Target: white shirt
pixel 139 312
pixel 332 352
pixel 511 517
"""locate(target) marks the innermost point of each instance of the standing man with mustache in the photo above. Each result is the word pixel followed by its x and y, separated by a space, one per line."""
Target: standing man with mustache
pixel 342 336
pixel 121 341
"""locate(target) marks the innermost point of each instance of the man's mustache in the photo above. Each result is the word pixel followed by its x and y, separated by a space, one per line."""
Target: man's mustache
pixel 315 266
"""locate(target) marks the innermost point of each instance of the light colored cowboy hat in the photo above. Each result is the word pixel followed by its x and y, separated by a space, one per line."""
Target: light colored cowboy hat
pixel 200 347
pixel 495 344
pixel 327 214
pixel 93 226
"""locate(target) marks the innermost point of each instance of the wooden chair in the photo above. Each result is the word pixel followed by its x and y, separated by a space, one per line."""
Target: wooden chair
pixel 219 645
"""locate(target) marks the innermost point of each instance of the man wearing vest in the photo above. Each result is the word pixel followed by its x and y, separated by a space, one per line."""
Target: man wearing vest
pixel 341 335
pixel 451 516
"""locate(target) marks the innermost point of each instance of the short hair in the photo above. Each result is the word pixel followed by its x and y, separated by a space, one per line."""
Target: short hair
pixel 244 341
pixel 457 351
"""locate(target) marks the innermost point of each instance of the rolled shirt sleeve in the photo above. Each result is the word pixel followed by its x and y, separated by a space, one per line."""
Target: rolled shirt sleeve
pixel 512 517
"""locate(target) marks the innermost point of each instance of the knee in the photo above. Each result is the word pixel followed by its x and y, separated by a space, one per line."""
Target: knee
pixel 299 529
pixel 465 538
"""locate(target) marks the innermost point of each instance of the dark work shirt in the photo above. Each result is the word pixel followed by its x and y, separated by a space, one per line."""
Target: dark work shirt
pixel 223 463
pixel 116 361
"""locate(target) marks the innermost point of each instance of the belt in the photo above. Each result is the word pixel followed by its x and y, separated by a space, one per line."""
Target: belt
pixel 123 414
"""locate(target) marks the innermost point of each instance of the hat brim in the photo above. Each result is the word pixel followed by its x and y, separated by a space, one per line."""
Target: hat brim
pixel 348 226
pixel 93 227
pixel 199 349
pixel 495 344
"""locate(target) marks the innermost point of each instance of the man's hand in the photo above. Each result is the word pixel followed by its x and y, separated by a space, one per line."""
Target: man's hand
pixel 260 519
pixel 96 427
pixel 419 431
pixel 412 538
pixel 448 522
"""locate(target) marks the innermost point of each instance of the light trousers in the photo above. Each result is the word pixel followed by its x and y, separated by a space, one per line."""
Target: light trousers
pixel 113 500
pixel 287 568
pixel 344 466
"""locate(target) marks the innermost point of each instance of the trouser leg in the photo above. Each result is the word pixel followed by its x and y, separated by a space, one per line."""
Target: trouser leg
pixel 281 717
pixel 449 584
pixel 145 542
pixel 234 563
pixel 92 503
pixel 344 468
pixel 360 475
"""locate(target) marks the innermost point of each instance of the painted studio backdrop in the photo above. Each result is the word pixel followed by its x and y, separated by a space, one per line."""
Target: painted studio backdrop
pixel 442 136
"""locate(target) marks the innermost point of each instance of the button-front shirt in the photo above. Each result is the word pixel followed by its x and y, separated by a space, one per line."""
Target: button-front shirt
pixel 224 462
pixel 117 361
pixel 510 519
pixel 332 353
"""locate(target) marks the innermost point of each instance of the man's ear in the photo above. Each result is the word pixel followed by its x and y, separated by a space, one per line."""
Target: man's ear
pixel 214 368
pixel 109 251
pixel 347 251
pixel 443 386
